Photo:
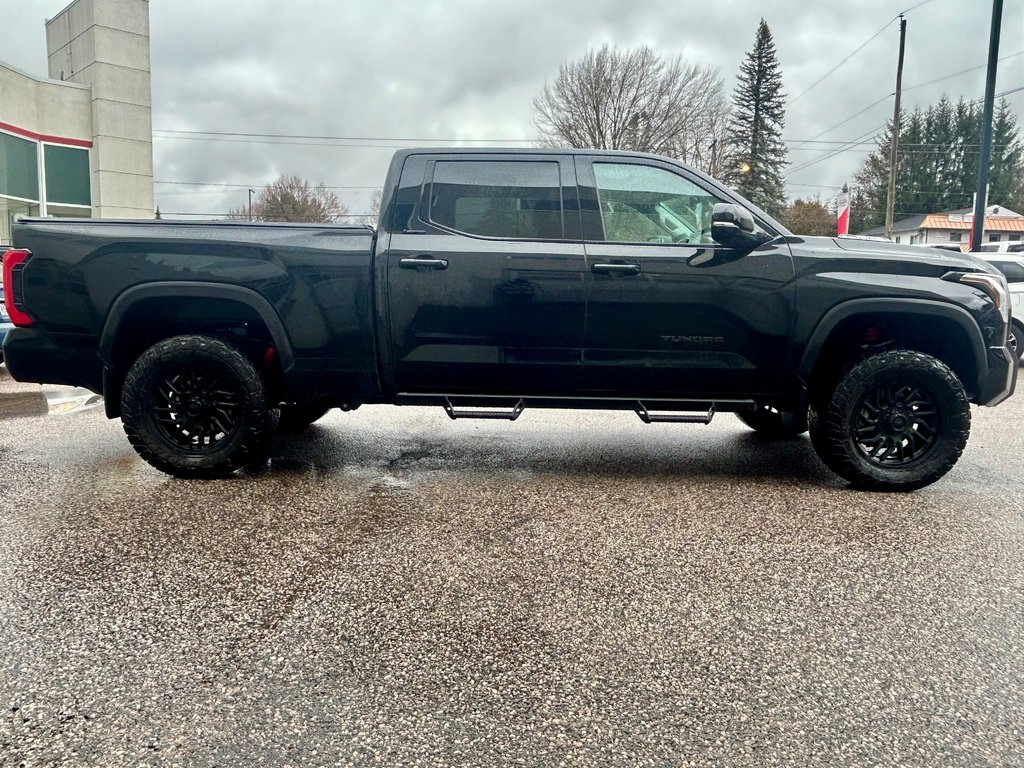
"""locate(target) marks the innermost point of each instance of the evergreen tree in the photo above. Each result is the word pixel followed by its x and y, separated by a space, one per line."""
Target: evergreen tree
pixel 937 164
pixel 755 153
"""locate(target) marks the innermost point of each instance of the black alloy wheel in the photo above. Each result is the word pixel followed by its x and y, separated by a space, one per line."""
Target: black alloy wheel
pixel 895 424
pixel 195 407
pixel 897 420
pixel 1015 341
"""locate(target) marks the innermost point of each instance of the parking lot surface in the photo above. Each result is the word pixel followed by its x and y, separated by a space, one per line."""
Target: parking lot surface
pixel 577 588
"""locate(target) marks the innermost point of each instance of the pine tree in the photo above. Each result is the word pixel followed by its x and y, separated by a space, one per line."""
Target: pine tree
pixel 937 166
pixel 755 154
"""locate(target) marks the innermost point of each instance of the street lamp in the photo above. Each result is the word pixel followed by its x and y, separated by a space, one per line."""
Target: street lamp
pixel 251 191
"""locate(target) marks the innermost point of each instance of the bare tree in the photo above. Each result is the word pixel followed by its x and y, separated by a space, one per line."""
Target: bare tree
pixel 291 198
pixel 375 204
pixel 634 100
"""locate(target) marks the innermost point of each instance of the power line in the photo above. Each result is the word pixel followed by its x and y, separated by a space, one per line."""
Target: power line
pixel 832 154
pixel 913 7
pixel 853 53
pixel 337 138
pixel 848 119
pixel 961 72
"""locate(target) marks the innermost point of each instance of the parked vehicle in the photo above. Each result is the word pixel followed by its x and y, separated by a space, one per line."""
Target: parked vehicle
pixel 1007 246
pixel 500 280
pixel 1012 267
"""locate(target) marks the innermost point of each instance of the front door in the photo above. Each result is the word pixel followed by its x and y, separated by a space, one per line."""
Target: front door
pixel 670 312
pixel 485 279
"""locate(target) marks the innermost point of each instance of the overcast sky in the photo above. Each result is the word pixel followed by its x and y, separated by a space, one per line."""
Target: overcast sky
pixel 465 69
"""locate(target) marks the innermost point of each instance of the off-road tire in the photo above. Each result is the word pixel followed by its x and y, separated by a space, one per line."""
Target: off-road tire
pixel 835 416
pixel 254 420
pixel 773 423
pixel 296 418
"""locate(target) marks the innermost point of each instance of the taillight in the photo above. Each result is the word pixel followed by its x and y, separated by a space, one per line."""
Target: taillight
pixel 14 264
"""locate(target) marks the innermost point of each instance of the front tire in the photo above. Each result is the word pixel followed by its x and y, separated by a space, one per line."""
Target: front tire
pixel 896 421
pixel 195 407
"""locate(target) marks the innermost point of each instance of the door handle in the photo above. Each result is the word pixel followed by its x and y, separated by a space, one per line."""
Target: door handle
pixel 424 261
pixel 605 267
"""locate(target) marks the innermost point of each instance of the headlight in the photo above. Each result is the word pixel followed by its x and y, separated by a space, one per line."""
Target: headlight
pixel 995 287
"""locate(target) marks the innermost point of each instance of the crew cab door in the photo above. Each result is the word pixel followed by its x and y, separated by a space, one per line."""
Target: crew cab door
pixel 485 275
pixel 669 311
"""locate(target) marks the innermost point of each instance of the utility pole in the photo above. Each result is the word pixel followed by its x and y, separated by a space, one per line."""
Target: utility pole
pixel 981 196
pixel 250 203
pixel 890 200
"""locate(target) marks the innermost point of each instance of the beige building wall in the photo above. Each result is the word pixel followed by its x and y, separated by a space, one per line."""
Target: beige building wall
pixel 105 44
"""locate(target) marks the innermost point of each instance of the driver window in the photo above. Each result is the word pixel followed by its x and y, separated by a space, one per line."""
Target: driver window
pixel 644 204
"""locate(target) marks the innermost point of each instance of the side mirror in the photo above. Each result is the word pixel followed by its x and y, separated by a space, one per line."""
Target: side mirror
pixel 733 227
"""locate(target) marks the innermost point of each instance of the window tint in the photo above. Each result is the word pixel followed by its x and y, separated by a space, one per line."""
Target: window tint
pixel 989 248
pixel 1014 272
pixel 518 201
pixel 643 204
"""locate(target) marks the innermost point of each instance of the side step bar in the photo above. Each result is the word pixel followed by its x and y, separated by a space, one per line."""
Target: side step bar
pixel 674 418
pixel 478 413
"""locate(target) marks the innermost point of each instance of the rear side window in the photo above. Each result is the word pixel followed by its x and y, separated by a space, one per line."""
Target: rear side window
pixel 1014 272
pixel 510 200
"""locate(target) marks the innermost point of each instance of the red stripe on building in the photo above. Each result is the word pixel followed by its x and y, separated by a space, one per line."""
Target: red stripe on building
pixel 45 137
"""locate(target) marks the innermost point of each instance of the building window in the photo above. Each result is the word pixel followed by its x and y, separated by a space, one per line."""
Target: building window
pixel 897 238
pixel 67 175
pixel 954 237
pixel 993 238
pixel 19 167
pixel 1014 237
pixel 915 239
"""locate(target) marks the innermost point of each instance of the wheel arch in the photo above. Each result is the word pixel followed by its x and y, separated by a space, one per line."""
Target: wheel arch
pixel 144 314
pixel 944 330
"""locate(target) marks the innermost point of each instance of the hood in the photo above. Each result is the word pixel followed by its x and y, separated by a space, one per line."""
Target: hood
pixel 920 254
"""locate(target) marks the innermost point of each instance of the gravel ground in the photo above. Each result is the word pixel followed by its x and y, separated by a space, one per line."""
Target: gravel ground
pixel 575 589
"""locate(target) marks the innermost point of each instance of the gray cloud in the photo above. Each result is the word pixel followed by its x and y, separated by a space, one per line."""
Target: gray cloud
pixel 468 69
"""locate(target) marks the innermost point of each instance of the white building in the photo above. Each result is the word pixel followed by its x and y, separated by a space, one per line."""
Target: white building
pixel 80 142
pixel 1001 224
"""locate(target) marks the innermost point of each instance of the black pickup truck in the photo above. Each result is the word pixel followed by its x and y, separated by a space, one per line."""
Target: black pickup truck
pixel 498 280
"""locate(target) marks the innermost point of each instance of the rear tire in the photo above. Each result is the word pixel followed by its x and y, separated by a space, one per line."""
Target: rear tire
pixel 896 421
pixel 195 407
pixel 773 423
pixel 296 418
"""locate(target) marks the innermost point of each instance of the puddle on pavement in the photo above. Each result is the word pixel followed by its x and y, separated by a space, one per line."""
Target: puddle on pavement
pixel 57 402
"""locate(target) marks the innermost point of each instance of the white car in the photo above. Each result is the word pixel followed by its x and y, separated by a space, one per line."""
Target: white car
pixel 1011 264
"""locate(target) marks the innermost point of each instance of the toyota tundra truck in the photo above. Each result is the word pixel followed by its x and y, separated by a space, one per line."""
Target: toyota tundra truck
pixel 500 280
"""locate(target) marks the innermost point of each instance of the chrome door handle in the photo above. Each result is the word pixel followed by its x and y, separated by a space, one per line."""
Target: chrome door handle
pixel 425 262
pixel 620 269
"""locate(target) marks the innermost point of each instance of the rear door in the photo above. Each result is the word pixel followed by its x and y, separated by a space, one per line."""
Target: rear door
pixel 485 275
pixel 669 311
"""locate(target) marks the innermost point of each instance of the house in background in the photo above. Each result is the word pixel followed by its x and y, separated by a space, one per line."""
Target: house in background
pixel 954 227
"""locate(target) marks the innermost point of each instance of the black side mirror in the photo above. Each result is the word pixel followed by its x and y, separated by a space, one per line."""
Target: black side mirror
pixel 733 227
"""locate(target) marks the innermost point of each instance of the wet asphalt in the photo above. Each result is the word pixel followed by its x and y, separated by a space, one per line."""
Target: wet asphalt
pixel 576 588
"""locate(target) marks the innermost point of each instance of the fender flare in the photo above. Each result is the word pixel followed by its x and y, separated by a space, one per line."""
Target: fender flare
pixel 853 307
pixel 183 289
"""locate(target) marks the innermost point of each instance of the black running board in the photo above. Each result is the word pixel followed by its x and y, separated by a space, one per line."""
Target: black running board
pixel 508 414
pixel 674 418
